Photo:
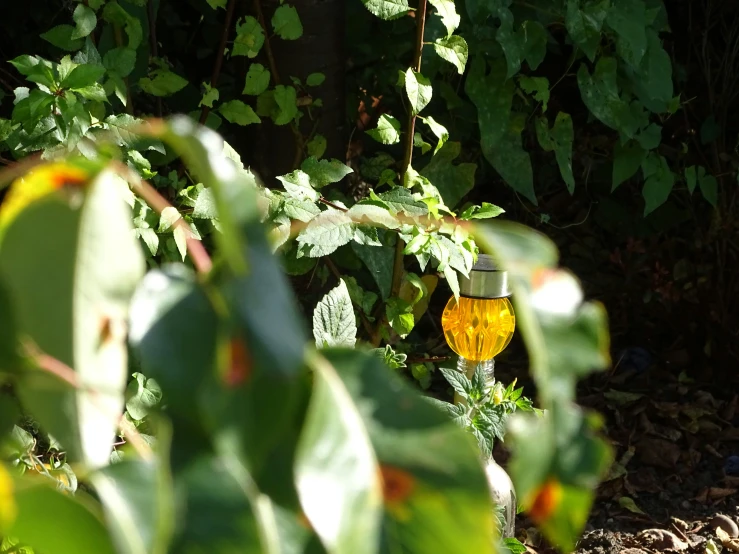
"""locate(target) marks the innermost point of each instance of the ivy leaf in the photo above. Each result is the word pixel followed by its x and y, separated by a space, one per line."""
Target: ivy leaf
pixel 628 19
pixel 453 49
pixel 419 90
pixel 387 130
pixel 235 111
pixel 387 9
pixel 658 182
pixel 439 131
pixel 162 82
pixel 142 396
pixel 449 16
pixel 85 21
pixel 249 38
pixel 61 36
pixel 286 23
pixel 535 43
pixel 257 79
pixel 584 21
pixel 539 87
pixel 627 159
pixel 287 107
pixel 325 233
pixel 297 184
pixel 333 319
pixel 559 139
pixel 325 172
pixel 452 181
pixel 315 79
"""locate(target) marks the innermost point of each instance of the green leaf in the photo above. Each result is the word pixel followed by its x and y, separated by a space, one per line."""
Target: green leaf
pixel 316 146
pixel 333 319
pixel 512 42
pixel 215 4
pixel 325 172
pixel 162 82
pixel 627 159
pixel 85 21
pixel 512 162
pixel 387 9
pixel 249 38
pixel 302 210
pixel 257 79
pixel 298 185
pixel 83 76
pixel 401 200
pixel 658 182
pixel 486 211
pixel 453 49
pixel 94 92
pixel 709 186
pixel 364 299
pixel 691 178
pixel 419 90
pixel 235 111
pixel 65 304
pixel 315 79
pixel 559 139
pixel 50 521
pixel 325 233
pixel 286 23
pixel 210 96
pixel 387 130
pixel 399 315
pixel 121 60
pixel 492 94
pixel 373 215
pixel 654 80
pixel 448 14
pixel 336 471
pixel 452 181
pixel 142 396
pixel 439 131
pixel 584 21
pixel 138 503
pixel 287 108
pixel 628 19
pixel 117 15
pixel 539 87
pixel 535 43
pixel 62 36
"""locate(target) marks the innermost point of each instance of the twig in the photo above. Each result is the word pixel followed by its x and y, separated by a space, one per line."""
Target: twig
pixel 219 57
pixel 365 322
pixel 322 200
pixel 200 258
pixel 154 43
pixel 276 78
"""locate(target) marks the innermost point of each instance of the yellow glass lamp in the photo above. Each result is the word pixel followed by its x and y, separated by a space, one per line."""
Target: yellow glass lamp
pixel 480 324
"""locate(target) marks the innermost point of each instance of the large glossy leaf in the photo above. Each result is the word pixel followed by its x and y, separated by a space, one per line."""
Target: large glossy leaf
pixel 336 469
pixel 435 491
pixel 71 300
pixel 51 521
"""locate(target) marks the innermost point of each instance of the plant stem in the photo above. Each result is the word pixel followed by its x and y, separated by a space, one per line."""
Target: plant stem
pixel 230 9
pixel 420 15
pixel 276 78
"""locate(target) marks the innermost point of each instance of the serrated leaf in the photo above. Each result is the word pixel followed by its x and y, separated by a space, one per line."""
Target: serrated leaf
pixel 249 38
pixel 287 108
pixel 333 319
pixel 453 49
pixel 448 13
pixel 257 79
pixel 387 130
pixel 375 215
pixel 458 381
pixel 401 200
pixel 325 233
pixel 286 23
pixel 387 9
pixel 325 172
pixel 85 21
pixel 162 82
pixel 235 111
pixel 302 210
pixel 298 185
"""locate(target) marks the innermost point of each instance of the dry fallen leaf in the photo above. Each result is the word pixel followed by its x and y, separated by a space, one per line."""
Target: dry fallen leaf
pixel 661 540
pixel 727 541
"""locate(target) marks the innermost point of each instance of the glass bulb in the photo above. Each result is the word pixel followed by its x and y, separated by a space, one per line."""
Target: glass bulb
pixel 478 328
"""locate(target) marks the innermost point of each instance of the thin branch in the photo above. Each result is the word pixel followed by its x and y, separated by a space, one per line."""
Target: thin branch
pixel 322 200
pixel 200 258
pixel 230 9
